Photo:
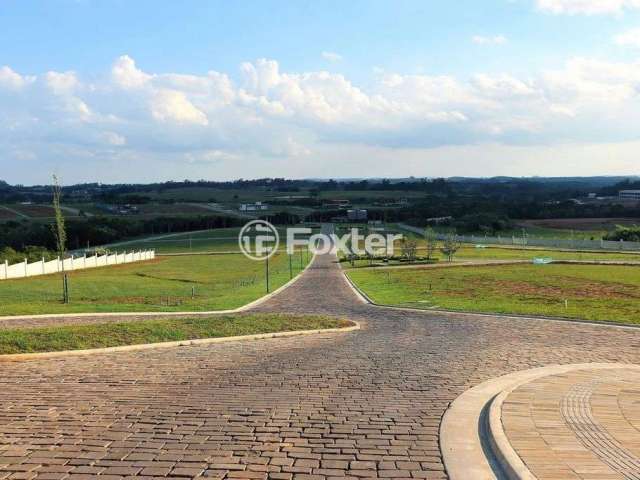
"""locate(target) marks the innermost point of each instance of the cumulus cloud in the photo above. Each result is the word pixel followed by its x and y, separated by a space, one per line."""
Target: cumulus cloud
pixel 489 40
pixel 126 75
pixel 331 56
pixel 12 80
pixel 173 106
pixel 587 7
pixel 140 117
pixel 630 38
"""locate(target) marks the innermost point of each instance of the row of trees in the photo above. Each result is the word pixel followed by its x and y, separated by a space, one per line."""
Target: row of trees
pixel 448 247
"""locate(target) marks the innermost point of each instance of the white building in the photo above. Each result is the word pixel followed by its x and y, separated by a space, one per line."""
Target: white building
pixel 629 194
pixel 253 207
pixel 357 214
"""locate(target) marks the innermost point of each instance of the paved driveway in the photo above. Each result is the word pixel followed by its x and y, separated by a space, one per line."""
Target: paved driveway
pixel 364 404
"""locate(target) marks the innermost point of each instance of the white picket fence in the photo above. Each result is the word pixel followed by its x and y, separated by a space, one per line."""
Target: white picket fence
pixel 24 269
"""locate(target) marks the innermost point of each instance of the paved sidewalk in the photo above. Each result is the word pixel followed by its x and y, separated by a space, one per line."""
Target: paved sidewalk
pixel 583 425
pixel 358 405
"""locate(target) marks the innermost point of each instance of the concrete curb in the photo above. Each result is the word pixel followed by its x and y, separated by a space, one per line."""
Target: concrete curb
pixel 362 297
pixel 463 441
pixel 160 313
pixel 596 323
pixel 180 343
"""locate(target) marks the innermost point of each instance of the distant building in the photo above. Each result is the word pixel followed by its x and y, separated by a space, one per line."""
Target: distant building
pixel 629 194
pixel 592 195
pixel 253 207
pixel 356 214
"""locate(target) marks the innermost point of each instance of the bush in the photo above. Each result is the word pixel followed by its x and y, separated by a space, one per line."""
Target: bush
pixel 31 253
pixel 482 222
pixel 627 234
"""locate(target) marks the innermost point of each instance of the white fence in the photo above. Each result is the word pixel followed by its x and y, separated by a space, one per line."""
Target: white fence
pixel 24 269
pixel 570 244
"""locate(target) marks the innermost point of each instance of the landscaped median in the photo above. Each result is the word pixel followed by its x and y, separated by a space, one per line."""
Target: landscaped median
pixel 142 333
pixel 588 292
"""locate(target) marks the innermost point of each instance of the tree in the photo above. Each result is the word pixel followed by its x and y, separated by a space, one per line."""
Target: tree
pixel 450 246
pixel 431 242
pixel 60 233
pixel 409 248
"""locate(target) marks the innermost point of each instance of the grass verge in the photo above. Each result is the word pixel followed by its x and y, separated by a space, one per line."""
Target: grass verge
pixel 79 337
pixel 184 283
pixel 589 292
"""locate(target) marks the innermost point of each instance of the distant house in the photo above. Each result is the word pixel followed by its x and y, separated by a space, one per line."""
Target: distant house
pixel 253 207
pixel 629 194
pixel 356 214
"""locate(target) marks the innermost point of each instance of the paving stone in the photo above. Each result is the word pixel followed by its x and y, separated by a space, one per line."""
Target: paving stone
pixel 357 405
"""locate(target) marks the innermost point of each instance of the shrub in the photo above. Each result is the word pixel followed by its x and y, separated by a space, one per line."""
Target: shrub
pixel 627 234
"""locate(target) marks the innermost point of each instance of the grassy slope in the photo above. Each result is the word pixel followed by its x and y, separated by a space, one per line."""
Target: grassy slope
pixel 220 281
pixel 592 292
pixel 218 240
pixel 152 331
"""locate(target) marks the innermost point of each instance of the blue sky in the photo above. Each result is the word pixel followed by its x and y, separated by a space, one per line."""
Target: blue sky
pixel 117 90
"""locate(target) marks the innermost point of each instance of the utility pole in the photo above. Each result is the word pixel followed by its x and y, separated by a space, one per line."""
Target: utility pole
pixel 290 268
pixel 267 271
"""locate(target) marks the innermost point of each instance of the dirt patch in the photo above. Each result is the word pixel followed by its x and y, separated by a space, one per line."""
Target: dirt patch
pixel 585 289
pixel 580 223
pixel 6 214
pixel 34 210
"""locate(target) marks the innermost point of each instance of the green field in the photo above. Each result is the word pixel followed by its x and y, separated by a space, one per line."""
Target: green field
pixel 592 292
pixel 217 282
pixel 471 253
pixel 79 337
pixel 217 240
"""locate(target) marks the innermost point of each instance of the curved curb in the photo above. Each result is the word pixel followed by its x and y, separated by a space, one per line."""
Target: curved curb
pixel 362 297
pixel 244 308
pixel 596 323
pixel 464 441
pixel 17 357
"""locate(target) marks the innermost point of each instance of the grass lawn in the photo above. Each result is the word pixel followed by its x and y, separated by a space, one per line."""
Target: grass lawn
pixel 592 292
pixel 102 335
pixel 219 282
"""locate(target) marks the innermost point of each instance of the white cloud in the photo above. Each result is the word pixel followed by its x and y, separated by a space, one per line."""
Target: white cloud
pixel 489 40
pixel 630 38
pixel 587 7
pixel 61 82
pixel 173 106
pixel 12 80
pixel 270 115
pixel 332 56
pixel 113 138
pixel 126 75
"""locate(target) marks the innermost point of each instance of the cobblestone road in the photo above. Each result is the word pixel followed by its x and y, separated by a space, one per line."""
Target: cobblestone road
pixel 353 405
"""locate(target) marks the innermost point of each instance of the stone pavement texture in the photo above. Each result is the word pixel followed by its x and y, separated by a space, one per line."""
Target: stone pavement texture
pixel 583 425
pixel 358 405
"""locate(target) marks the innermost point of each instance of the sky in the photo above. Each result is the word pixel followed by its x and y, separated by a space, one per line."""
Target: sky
pixel 151 90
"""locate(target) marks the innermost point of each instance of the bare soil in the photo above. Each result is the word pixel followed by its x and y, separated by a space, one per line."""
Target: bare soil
pixel 581 223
